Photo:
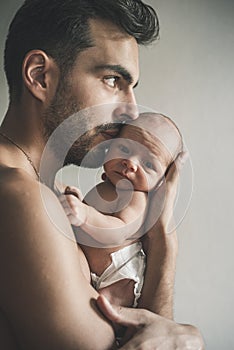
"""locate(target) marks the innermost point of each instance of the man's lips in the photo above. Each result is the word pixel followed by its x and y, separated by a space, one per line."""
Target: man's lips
pixel 109 134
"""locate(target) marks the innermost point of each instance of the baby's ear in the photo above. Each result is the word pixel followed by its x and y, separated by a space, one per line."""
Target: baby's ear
pixel 104 177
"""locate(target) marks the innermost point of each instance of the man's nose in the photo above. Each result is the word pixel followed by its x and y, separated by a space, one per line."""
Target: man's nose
pixel 125 112
pixel 128 110
pixel 130 165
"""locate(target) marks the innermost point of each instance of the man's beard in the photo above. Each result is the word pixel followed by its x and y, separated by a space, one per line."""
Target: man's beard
pixel 90 149
pixel 63 106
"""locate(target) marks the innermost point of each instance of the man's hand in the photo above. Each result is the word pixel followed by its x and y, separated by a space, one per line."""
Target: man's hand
pixel 146 330
pixel 160 214
pixel 160 247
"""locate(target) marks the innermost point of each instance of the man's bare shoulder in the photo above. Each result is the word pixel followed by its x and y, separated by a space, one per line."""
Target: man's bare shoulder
pixel 14 178
pixel 18 186
pixel 24 200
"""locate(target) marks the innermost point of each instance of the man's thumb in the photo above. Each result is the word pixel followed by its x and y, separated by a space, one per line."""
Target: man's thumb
pixel 122 315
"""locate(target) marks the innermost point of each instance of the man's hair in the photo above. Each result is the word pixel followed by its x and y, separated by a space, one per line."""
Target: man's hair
pixel 61 29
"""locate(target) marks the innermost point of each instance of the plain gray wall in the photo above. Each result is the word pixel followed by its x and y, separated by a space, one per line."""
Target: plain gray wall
pixel 188 74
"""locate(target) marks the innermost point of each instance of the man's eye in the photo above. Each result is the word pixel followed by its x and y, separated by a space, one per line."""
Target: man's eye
pixel 124 149
pixel 111 81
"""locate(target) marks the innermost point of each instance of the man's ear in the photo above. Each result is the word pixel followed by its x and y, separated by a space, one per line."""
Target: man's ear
pixel 40 75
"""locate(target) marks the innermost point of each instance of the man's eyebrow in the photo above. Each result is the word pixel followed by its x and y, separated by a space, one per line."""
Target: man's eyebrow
pixel 119 70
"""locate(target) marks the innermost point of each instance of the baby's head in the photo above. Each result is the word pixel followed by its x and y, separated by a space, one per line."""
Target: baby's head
pixel 158 133
pixel 143 151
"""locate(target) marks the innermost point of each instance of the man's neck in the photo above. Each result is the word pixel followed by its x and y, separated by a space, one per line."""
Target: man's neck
pixel 24 127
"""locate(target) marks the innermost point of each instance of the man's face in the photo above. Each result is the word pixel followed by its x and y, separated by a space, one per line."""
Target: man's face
pixel 104 74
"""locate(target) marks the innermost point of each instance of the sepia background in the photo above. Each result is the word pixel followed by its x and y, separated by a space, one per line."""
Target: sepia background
pixel 188 74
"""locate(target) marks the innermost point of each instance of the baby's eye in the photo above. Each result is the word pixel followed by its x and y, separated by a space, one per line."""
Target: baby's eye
pixel 111 81
pixel 124 149
pixel 149 165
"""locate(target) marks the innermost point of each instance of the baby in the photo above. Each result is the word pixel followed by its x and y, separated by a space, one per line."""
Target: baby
pixel 110 220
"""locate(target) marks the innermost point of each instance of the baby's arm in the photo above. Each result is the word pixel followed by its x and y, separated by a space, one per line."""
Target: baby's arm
pixel 112 228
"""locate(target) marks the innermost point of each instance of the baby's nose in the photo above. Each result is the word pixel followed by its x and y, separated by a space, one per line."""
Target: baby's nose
pixel 130 165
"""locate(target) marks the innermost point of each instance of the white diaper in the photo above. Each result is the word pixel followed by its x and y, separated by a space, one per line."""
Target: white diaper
pixel 128 262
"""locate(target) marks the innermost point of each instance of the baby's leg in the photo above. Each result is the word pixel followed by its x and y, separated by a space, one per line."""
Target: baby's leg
pixel 120 293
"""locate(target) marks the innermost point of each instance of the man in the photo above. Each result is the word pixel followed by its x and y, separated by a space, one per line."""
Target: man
pixel 62 57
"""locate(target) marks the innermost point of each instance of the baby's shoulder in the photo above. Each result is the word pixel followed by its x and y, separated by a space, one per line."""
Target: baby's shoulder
pixel 102 197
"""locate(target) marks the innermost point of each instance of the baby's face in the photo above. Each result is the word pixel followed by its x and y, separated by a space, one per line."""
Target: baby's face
pixel 133 158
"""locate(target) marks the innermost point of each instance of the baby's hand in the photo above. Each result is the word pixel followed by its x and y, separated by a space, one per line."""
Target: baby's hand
pixel 73 207
pixel 74 191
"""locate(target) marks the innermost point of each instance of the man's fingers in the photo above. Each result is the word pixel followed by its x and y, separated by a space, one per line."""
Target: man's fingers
pixel 176 166
pixel 181 159
pixel 123 315
pixel 107 309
